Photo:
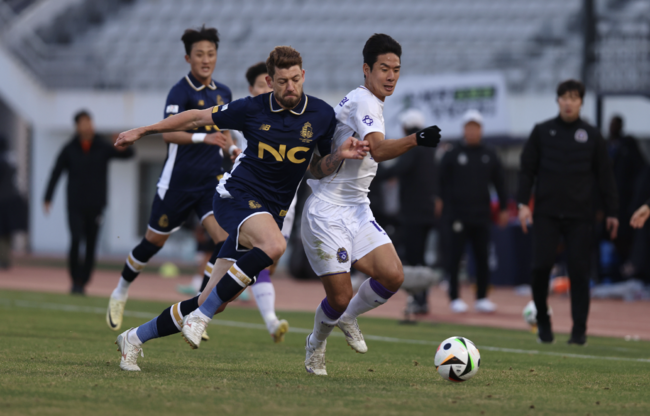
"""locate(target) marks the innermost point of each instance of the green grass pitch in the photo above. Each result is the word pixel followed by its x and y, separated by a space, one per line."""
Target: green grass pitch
pixel 57 357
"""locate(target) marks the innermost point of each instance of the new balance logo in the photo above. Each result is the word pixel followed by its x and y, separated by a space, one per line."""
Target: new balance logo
pixel 265 127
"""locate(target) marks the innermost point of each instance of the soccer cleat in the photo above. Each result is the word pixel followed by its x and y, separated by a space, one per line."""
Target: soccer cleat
pixel 115 313
pixel 485 305
pixel 353 335
pixel 205 336
pixel 458 306
pixel 545 333
pixel 129 358
pixel 315 358
pixel 281 329
pixel 193 328
pixel 580 340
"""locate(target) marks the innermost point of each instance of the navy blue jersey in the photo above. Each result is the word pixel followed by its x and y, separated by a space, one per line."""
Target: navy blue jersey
pixel 280 144
pixel 193 167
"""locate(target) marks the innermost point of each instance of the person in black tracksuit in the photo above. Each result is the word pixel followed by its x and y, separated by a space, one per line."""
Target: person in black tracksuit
pixel 565 158
pixel 85 157
pixel 465 175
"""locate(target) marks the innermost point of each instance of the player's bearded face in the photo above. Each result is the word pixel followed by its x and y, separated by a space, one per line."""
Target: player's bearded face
pixel 287 86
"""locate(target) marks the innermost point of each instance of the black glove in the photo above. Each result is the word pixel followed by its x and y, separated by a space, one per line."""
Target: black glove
pixel 428 137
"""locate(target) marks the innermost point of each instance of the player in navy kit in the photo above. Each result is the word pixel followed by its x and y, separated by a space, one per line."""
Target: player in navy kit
pixel 283 129
pixel 192 168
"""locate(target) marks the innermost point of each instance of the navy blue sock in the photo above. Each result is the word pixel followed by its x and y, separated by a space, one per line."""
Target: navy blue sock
pixel 208 267
pixel 138 258
pixel 240 275
pixel 170 321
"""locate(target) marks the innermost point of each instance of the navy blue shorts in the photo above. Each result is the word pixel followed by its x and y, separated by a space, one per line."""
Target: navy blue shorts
pixel 170 212
pixel 231 213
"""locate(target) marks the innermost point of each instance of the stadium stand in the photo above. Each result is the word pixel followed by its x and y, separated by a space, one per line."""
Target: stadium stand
pixel 134 44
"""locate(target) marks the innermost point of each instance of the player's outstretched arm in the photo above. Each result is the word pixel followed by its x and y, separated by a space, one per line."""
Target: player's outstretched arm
pixel 382 149
pixel 350 149
pixel 187 120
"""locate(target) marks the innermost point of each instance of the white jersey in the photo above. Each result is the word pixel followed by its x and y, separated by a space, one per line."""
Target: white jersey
pixel 358 114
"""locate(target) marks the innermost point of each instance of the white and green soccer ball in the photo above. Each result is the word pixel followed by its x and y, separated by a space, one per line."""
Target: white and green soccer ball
pixel 530 314
pixel 457 359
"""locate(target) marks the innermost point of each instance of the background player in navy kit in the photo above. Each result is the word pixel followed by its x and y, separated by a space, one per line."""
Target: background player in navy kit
pixel 192 168
pixel 283 129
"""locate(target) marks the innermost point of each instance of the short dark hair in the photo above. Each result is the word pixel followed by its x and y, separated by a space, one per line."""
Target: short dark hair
pixel 255 71
pixel 380 44
pixel 80 115
pixel 192 36
pixel 571 85
pixel 282 57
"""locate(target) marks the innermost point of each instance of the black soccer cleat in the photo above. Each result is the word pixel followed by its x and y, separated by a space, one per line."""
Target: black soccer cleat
pixel 580 340
pixel 545 333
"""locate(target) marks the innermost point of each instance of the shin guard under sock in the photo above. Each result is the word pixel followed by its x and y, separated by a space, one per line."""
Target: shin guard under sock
pixel 138 258
pixel 370 295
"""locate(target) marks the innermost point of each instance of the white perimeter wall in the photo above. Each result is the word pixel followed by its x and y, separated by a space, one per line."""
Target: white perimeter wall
pixel 50 115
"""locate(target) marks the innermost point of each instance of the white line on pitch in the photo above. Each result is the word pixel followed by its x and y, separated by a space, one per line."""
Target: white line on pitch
pixel 236 324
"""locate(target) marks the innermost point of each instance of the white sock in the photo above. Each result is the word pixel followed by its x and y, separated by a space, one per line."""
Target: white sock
pixel 264 294
pixel 121 292
pixel 366 299
pixel 323 326
pixel 133 339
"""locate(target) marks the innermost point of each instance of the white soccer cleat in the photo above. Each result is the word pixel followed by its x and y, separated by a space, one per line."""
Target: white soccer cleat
pixel 353 335
pixel 315 358
pixel 205 336
pixel 193 328
pixel 129 358
pixel 458 306
pixel 115 313
pixel 281 328
pixel 485 305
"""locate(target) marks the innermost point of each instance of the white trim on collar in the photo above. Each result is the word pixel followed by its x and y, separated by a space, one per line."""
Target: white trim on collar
pixel 304 107
pixel 212 85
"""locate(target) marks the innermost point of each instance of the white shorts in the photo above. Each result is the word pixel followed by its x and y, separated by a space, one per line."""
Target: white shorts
pixel 335 236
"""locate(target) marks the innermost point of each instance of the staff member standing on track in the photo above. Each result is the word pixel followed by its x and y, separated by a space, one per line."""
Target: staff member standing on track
pixel 86 158
pixel 466 173
pixel 565 158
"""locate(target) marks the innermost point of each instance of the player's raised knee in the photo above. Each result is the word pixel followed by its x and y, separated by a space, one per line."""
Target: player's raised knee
pixel 274 248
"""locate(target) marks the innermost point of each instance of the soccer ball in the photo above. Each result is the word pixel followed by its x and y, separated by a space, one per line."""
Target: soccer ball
pixel 457 359
pixel 530 314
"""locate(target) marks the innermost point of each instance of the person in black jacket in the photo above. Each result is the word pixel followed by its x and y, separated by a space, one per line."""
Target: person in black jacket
pixel 417 196
pixel 85 157
pixel 564 159
pixel 628 164
pixel 466 173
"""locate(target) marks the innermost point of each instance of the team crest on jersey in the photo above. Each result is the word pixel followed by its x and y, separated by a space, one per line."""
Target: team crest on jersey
pixel 306 133
pixel 367 121
pixel 201 103
pixel 581 136
pixel 219 100
pixel 163 221
pixel 342 255
pixel 254 205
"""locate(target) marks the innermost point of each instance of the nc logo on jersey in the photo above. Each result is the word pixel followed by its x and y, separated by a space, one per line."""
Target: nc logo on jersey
pixel 342 255
pixel 163 221
pixel 343 101
pixel 581 136
pixel 281 154
pixel 254 205
pixel 219 101
pixel 306 133
pixel 367 121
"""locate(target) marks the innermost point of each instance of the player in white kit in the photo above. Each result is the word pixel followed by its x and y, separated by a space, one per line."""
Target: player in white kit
pixel 338 228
